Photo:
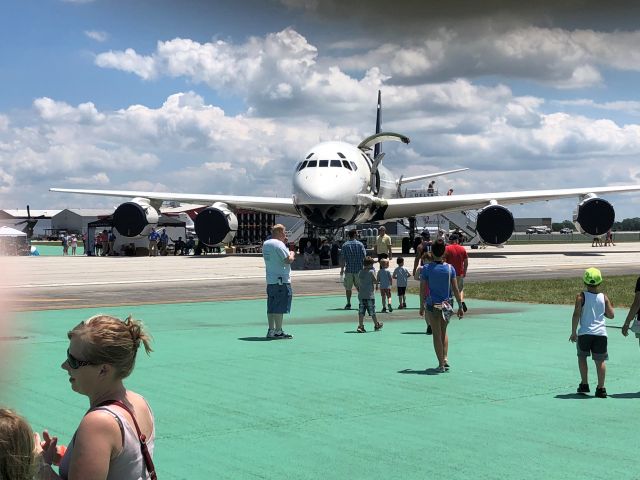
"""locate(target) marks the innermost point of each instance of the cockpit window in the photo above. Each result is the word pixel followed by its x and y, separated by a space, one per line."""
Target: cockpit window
pixel 336 163
pixel 302 165
pixel 323 163
pixel 346 164
pixel 354 166
pixel 341 155
pixel 312 163
pixel 309 156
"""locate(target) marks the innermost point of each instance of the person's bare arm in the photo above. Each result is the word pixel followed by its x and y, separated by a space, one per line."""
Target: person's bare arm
pixel 608 308
pixel 417 259
pixel 577 311
pixel 633 311
pixel 98 438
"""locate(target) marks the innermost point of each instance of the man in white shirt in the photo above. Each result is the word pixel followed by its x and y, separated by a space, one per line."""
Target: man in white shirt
pixel 277 260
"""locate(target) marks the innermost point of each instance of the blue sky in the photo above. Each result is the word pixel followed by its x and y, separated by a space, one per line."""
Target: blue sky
pixel 225 97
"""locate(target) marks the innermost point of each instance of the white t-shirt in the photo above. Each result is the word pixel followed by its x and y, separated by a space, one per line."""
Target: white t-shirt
pixel 592 317
pixel 275 254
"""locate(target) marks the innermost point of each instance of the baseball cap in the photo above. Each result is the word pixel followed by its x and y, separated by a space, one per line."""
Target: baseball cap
pixel 426 234
pixel 592 276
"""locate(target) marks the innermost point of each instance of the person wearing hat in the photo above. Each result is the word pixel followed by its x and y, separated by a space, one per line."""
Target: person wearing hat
pixel 589 331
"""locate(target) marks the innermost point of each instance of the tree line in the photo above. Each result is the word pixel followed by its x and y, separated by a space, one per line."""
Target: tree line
pixel 626 225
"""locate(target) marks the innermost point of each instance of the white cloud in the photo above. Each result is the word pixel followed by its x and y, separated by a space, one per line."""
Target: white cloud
pixel 99 178
pixel 631 107
pixel 282 73
pixel 97 35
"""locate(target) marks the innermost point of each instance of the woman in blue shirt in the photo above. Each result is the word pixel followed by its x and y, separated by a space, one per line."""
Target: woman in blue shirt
pixel 440 279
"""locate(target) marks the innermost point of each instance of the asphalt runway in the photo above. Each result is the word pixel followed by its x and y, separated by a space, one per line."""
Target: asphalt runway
pixel 43 283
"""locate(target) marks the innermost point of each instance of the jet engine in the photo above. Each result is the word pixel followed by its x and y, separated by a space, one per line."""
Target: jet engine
pixel 495 224
pixel 135 218
pixel 594 216
pixel 216 224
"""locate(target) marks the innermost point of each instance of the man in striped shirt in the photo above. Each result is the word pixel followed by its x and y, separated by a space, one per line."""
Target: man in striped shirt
pixel 352 256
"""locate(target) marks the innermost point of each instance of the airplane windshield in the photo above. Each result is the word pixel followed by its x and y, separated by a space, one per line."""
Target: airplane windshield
pixel 324 163
pixel 312 163
pixel 346 164
pixel 336 163
pixel 354 166
pixel 302 165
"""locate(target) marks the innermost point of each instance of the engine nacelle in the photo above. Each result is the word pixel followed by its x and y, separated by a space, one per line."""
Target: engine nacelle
pixel 495 224
pixel 594 216
pixel 135 218
pixel 216 225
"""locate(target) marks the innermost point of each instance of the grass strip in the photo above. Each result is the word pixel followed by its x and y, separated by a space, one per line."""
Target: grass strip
pixel 557 291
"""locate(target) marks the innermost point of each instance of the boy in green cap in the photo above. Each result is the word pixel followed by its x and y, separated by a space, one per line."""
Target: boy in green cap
pixel 590 310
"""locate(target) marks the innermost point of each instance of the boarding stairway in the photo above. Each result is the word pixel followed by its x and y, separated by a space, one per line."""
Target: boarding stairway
pixel 297 231
pixel 465 221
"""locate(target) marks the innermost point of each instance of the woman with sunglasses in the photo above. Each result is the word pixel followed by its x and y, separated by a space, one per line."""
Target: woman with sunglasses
pixel 115 438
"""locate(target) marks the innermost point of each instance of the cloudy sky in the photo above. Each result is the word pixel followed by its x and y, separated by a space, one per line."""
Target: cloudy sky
pixel 225 97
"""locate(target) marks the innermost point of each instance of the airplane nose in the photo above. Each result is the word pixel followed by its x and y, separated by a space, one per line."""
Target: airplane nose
pixel 324 187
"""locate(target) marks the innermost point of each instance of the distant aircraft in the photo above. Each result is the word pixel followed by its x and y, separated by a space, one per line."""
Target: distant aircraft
pixel 30 223
pixel 339 184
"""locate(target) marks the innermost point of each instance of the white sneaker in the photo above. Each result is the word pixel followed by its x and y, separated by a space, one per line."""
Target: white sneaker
pixel 280 335
pixel 635 326
pixel 271 333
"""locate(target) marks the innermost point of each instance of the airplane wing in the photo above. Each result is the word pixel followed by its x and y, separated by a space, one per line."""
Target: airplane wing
pixel 408 207
pixel 281 206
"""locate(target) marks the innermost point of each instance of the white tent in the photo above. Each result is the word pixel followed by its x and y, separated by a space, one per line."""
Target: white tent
pixel 11 232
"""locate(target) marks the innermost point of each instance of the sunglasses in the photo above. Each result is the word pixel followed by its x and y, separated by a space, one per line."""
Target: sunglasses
pixel 74 363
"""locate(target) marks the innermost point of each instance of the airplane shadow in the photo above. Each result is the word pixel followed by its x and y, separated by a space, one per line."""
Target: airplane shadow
pixel 574 396
pixel 255 339
pixel 583 254
pixel 428 371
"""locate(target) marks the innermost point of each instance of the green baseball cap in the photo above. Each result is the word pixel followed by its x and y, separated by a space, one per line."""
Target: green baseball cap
pixel 592 276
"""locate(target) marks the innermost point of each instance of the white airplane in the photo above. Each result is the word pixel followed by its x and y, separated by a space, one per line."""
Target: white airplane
pixel 339 184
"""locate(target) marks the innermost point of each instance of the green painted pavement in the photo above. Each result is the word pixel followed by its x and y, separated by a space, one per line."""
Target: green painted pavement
pixel 332 404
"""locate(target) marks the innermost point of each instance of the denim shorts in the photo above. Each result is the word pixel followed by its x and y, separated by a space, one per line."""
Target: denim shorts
pixel 279 298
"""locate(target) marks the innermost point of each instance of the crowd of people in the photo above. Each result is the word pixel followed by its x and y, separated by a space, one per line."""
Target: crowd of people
pixel 115 437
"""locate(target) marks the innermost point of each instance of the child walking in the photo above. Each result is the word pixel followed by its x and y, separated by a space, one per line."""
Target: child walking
pixel 366 295
pixel 401 274
pixel 589 330
pixel 385 280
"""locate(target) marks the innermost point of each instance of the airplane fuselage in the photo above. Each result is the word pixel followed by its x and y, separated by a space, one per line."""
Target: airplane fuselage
pixel 333 186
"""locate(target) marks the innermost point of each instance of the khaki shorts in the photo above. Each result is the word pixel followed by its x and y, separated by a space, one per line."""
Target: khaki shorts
pixel 351 280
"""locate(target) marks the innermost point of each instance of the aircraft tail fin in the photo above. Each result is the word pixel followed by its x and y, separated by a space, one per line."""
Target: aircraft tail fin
pixel 377 148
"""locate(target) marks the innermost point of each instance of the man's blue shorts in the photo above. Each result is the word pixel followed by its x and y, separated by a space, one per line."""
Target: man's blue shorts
pixel 279 298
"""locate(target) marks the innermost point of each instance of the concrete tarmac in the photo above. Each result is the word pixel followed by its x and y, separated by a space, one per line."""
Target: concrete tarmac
pixel 42 283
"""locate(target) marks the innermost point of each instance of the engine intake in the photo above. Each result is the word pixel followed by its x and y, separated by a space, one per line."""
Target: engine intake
pixel 594 216
pixel 495 224
pixel 216 224
pixel 135 218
